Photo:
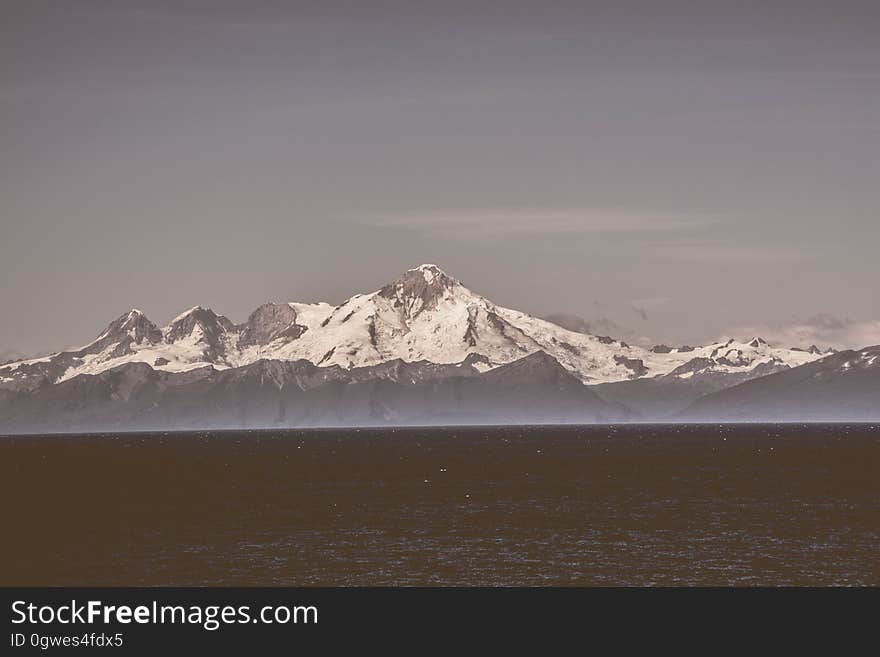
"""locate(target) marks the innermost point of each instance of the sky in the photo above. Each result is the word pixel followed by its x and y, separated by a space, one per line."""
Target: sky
pixel 680 171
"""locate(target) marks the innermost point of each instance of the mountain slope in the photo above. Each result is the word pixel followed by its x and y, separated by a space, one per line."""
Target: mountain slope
pixel 841 387
pixel 659 398
pixel 135 396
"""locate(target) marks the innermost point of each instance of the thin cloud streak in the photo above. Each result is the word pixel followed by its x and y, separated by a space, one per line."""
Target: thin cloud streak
pixel 560 221
pixel 729 252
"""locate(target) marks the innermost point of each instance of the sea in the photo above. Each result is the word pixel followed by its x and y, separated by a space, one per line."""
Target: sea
pixel 627 505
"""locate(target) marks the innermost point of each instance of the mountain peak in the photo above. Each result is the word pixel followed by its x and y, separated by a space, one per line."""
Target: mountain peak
pixel 419 289
pixel 195 310
pixel 130 327
pixel 431 274
pixel 537 367
pixel 429 271
pixel 134 319
pixel 211 324
pixel 130 318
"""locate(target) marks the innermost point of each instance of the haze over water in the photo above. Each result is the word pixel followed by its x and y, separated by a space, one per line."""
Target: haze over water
pixel 706 505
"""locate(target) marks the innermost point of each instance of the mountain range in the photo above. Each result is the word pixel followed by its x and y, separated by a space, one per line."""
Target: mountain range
pixel 422 349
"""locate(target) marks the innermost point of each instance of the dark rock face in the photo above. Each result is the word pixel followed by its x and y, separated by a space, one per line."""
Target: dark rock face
pixel 693 365
pixel 288 394
pixel 567 346
pixel 204 318
pixel 418 289
pixel 661 349
pixel 213 330
pixel 327 356
pixel 718 350
pixel 270 322
pixel 30 376
pixel 476 358
pixel 131 328
pixel 470 334
pixel 733 358
pixel 634 365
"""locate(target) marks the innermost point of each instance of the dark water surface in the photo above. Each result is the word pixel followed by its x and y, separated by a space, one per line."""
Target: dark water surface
pixel 532 506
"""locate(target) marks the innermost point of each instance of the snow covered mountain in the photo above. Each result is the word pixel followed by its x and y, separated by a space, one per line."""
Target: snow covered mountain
pixel 424 315
pixel 844 387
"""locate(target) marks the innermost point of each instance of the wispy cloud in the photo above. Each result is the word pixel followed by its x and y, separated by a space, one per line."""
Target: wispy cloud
pixel 822 330
pixel 723 251
pixel 519 221
pixel 684 236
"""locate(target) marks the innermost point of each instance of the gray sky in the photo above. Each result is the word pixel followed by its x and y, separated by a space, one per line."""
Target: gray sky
pixel 683 168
